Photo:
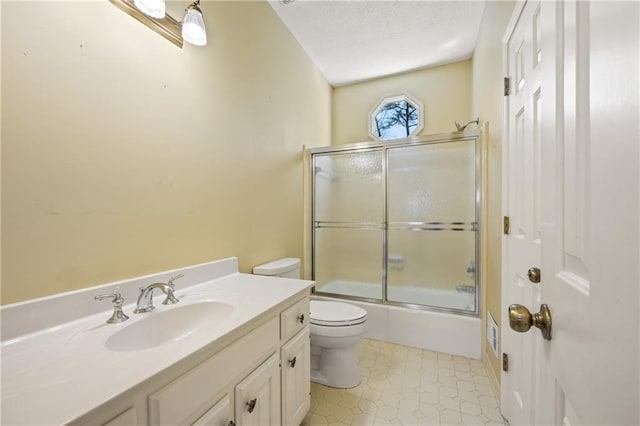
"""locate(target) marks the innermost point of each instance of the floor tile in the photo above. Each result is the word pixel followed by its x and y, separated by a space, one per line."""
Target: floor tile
pixel 408 386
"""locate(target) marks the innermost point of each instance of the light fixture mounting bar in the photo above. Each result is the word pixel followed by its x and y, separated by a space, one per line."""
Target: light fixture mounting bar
pixel 167 27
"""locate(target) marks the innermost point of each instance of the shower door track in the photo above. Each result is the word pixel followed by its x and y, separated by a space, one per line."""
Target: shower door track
pixel 417 226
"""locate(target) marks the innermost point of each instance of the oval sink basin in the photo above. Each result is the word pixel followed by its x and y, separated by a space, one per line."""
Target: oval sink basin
pixel 168 326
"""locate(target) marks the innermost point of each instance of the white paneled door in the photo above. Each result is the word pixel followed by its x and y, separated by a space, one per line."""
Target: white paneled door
pixel 572 178
pixel 522 206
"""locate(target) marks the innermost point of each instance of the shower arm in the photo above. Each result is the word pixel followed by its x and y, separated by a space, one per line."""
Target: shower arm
pixel 461 127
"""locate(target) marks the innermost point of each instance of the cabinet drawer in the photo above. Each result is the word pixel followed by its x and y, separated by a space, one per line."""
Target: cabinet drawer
pixel 186 398
pixel 294 319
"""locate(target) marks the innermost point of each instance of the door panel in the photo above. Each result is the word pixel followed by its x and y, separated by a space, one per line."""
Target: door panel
pixel 432 225
pixel 522 206
pixel 257 397
pixel 296 378
pixel 591 368
pixel 585 211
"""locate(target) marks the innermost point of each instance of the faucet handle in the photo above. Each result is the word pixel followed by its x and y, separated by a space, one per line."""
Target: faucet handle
pixel 170 299
pixel 172 279
pixel 118 300
pixel 117 316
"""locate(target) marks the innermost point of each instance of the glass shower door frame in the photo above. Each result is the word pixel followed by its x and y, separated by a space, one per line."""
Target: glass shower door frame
pixel 385 226
pixel 362 225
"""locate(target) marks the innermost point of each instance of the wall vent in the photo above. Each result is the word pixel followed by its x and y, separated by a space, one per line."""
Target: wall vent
pixel 493 335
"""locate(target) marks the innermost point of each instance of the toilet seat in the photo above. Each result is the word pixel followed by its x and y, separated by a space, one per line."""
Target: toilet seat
pixel 336 314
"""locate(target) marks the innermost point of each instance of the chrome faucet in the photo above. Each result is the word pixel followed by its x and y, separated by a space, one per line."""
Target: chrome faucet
pixel 145 300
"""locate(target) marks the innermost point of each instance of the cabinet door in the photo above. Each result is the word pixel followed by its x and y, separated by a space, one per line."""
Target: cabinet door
pixel 258 395
pixel 126 418
pixel 220 414
pixel 182 400
pixel 296 380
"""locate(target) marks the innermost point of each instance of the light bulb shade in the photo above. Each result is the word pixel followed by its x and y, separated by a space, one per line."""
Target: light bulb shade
pixel 153 8
pixel 193 30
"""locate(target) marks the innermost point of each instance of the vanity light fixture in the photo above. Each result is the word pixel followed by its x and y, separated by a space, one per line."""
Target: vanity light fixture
pixel 193 30
pixel 153 8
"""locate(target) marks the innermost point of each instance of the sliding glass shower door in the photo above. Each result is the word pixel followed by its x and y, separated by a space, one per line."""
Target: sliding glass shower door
pixel 348 223
pixel 432 225
pixel 398 223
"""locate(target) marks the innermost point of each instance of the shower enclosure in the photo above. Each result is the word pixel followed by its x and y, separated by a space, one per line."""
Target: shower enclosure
pixel 397 222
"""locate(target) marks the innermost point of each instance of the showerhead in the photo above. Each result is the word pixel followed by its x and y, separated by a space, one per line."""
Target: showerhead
pixel 461 128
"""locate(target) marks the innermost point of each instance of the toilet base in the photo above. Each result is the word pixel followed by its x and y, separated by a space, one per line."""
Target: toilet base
pixel 335 367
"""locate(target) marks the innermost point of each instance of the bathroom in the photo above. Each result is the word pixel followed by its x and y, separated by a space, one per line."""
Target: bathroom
pixel 123 155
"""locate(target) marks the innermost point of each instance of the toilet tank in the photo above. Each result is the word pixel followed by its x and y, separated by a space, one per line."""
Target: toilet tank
pixel 289 267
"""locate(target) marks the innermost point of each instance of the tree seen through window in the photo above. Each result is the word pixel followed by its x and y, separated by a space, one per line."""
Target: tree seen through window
pixel 396 120
pixel 396 117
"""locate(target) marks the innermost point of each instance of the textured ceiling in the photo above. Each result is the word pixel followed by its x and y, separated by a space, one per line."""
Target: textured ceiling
pixel 358 40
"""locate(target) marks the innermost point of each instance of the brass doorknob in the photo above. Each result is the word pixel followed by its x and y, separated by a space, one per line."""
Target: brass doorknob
pixel 521 320
pixel 534 275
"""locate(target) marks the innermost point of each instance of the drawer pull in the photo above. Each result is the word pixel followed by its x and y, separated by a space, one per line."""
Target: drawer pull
pixel 292 362
pixel 301 318
pixel 251 405
pixel 231 423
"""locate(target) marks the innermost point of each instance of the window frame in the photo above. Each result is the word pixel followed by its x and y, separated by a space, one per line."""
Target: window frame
pixel 398 97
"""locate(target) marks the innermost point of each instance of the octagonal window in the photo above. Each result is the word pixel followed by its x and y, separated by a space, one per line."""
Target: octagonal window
pixel 396 117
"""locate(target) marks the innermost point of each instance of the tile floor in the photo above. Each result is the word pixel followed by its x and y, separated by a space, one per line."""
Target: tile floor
pixel 408 386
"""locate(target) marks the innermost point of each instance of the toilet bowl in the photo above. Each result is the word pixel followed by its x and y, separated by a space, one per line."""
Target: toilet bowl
pixel 336 328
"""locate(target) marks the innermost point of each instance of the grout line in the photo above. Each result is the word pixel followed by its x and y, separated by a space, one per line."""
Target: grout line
pixel 406 386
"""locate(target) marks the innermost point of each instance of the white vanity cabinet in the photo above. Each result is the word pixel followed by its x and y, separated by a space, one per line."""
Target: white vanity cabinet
pixel 261 379
pixel 198 362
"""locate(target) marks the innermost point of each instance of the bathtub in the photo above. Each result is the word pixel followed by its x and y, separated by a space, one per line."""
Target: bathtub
pixel 436 331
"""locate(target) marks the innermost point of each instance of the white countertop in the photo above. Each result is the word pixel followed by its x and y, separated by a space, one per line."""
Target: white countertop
pixel 56 375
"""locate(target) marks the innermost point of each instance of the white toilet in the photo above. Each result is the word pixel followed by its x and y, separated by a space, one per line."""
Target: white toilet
pixel 336 329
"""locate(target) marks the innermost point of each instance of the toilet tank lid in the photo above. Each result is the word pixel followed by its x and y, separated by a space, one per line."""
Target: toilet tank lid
pixel 276 267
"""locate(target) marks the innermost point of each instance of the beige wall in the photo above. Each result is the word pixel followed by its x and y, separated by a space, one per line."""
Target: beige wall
pixel 123 155
pixel 487 103
pixel 445 92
